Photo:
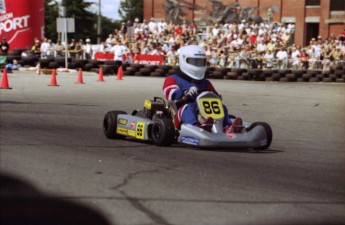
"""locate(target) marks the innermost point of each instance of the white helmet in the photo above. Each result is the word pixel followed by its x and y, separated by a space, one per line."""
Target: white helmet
pixel 192 60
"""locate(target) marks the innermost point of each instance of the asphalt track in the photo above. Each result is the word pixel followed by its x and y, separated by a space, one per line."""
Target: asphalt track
pixel 52 137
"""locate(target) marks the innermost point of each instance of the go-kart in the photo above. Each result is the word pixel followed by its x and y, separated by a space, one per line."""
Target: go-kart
pixel 155 124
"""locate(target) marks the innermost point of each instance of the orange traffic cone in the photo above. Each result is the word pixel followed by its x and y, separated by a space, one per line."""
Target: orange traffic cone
pixel 4 80
pixel 100 75
pixel 119 73
pixel 80 77
pixel 53 82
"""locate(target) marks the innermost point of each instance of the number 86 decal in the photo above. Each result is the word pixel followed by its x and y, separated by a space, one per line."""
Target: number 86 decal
pixel 211 108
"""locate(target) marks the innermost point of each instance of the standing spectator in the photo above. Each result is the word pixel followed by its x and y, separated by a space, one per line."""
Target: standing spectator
pixel 119 50
pixel 109 40
pixel 4 46
pixel 79 49
pixel 44 48
pixel 51 48
pixel 295 58
pixel 88 49
pixel 72 48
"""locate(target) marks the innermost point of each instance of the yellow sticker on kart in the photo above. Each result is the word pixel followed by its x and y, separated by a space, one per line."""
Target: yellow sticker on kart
pixel 140 130
pixel 121 130
pixel 211 107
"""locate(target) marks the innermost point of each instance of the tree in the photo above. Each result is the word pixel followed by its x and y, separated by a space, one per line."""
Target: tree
pixel 85 20
pixel 51 12
pixel 131 9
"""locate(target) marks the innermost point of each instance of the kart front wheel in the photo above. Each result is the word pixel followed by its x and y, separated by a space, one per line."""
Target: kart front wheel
pixel 110 124
pixel 269 134
pixel 163 132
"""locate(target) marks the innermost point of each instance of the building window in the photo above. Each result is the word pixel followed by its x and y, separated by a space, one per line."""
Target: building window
pixel 337 5
pixel 312 3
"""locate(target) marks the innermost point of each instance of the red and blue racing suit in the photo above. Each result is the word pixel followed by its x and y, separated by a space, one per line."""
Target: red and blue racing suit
pixel 174 87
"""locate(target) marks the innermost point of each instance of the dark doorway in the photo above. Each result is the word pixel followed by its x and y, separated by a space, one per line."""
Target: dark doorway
pixel 312 31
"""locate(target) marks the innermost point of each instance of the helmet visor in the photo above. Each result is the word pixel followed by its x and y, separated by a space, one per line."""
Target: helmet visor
pixel 197 61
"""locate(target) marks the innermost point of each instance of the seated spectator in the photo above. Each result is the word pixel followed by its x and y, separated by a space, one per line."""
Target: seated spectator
pixel 313 57
pixel 269 59
pixel 304 59
pixel 244 57
pixel 36 48
pixel 231 57
pixel 282 58
pixel 13 66
pixel 326 59
pixel 171 56
pixel 337 56
pixel 59 49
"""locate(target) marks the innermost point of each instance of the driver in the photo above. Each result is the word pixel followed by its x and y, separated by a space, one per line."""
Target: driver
pixel 190 78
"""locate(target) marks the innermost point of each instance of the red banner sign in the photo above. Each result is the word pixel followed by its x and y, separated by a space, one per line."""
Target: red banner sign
pixel 21 21
pixel 133 58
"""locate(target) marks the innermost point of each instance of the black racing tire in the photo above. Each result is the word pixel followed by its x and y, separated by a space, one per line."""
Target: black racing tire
pixel 217 74
pixel 163 132
pixel 232 75
pixel 110 125
pixel 276 76
pixel 269 134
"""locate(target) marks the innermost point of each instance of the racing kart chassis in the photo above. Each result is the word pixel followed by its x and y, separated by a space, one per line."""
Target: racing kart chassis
pixel 155 124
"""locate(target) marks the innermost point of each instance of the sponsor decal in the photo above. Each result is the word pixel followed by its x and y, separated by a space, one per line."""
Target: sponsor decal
pixel 137 59
pixel 131 133
pixel 147 104
pixel 122 121
pixel 132 125
pixel 121 130
pixel 231 135
pixel 190 140
pixel 140 130
pixel 21 21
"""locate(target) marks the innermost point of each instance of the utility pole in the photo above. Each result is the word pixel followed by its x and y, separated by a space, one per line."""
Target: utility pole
pixel 99 22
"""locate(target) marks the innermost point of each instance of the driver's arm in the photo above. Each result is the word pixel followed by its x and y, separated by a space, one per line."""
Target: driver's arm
pixel 171 90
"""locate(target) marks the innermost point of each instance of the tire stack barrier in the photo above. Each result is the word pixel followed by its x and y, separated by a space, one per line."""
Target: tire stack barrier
pixel 110 67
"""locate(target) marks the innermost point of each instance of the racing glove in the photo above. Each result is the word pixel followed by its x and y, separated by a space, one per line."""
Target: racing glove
pixel 191 93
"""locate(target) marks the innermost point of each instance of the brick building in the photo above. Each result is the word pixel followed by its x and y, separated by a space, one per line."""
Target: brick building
pixel 311 17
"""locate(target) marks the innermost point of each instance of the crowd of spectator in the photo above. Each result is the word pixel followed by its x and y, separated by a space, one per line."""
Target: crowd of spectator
pixel 246 44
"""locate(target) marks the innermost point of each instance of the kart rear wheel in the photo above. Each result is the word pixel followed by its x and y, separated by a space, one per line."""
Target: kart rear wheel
pixel 110 124
pixel 163 132
pixel 269 134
